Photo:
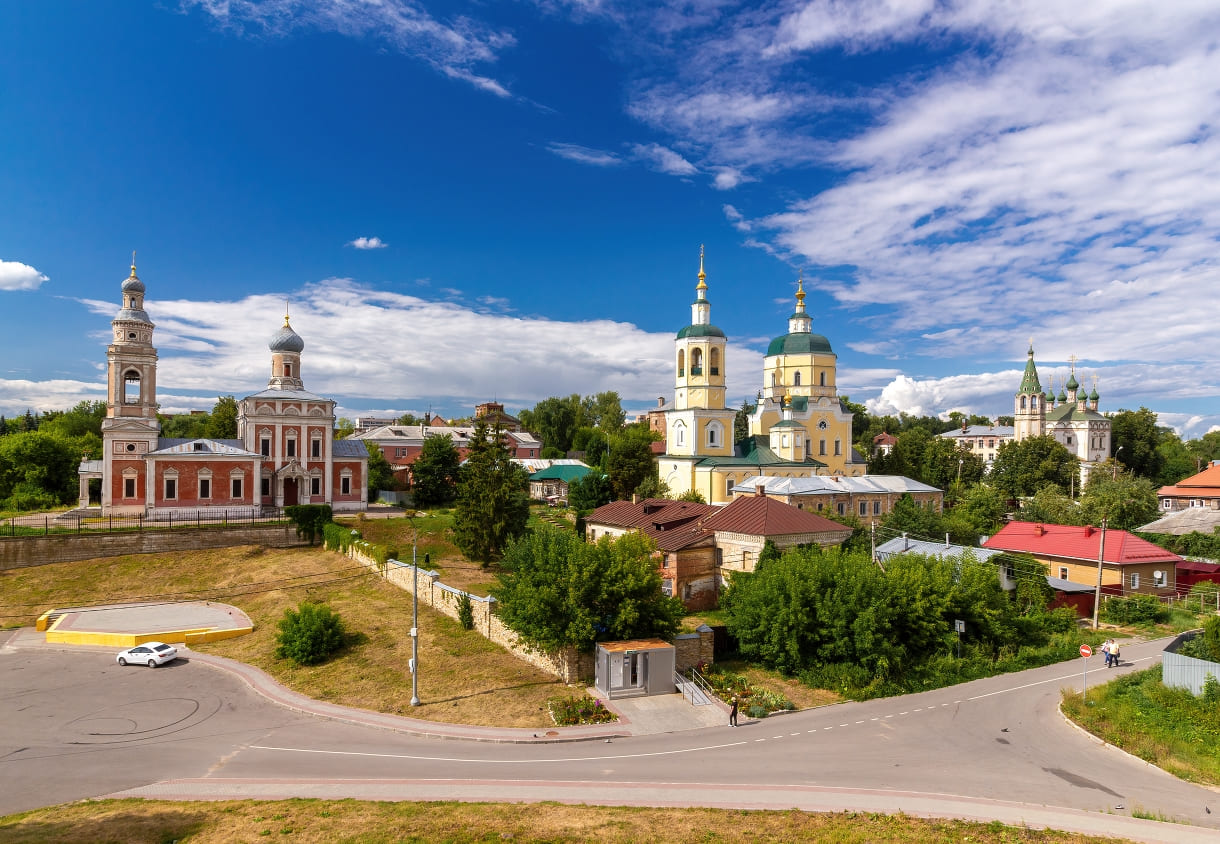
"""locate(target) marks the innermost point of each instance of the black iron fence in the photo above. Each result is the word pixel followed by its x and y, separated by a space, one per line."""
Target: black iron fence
pixel 81 523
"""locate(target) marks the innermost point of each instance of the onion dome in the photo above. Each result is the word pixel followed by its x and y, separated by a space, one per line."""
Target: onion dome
pixel 132 283
pixel 287 340
pixel 800 339
pixel 700 310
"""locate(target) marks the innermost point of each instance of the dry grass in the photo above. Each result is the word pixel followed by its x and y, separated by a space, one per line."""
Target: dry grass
pixel 463 679
pixel 801 695
pixel 139 822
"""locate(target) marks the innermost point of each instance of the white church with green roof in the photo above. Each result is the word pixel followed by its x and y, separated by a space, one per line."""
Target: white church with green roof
pixel 799 428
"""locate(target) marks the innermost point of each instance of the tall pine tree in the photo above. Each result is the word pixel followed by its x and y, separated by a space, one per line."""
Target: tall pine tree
pixel 492 502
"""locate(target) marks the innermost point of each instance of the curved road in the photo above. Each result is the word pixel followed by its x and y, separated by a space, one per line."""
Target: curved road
pixel 77 725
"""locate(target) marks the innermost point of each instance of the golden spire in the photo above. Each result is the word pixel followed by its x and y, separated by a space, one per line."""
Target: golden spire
pixel 286 325
pixel 702 285
pixel 800 288
pixel 133 263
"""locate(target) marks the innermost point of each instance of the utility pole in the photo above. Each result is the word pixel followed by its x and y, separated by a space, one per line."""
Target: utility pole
pixel 1101 558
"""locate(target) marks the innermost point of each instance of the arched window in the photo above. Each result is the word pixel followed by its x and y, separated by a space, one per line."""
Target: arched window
pixel 772 379
pixel 131 387
pixel 681 363
pixel 821 379
pixel 1022 402
pixel 715 433
pixel 714 361
pixel 679 434
pixel 696 362
pixel 729 483
pixel 287 370
pixel 1033 402
pixel 796 379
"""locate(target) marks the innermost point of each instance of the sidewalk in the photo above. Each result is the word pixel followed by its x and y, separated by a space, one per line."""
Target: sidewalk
pixel 637 716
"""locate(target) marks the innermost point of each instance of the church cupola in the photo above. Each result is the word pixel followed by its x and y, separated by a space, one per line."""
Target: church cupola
pixel 131 359
pixel 1093 397
pixel 700 355
pixel 286 347
pixel 800 322
pixel 131 308
pixel 1029 404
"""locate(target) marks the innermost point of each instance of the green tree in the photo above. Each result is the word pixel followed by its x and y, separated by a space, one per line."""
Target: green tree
pixel 605 410
pixel 411 419
pixel 741 421
pixel 630 460
pixel 310 519
pixel 980 512
pixel 1124 500
pixel 860 421
pixel 492 504
pixel 1022 468
pixel 37 470
pixel 1177 459
pixel 309 634
pixel 945 462
pixel 82 420
pixel 590 492
pixel 1134 437
pixel 653 487
pixel 557 591
pixel 914 519
pixel 381 473
pixel 1051 505
pixel 186 426
pixel 222 424
pixel 554 421
pixel 344 428
pixel 434 472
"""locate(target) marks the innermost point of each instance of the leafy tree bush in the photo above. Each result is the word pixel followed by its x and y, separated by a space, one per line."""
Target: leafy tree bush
pixel 434 472
pixel 652 487
pixel 590 492
pixel 629 461
pixel 309 634
pixel 1135 609
pixel 492 505
pixel 1022 468
pixel 1125 501
pixel 558 591
pixel 381 474
pixel 310 519
pixel 693 495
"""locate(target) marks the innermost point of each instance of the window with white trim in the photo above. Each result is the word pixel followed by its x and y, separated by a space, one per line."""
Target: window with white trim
pixel 1134 580
pixel 345 483
pixel 129 485
pixel 235 488
pixel 315 448
pixel 171 485
pixel 315 485
pixel 290 446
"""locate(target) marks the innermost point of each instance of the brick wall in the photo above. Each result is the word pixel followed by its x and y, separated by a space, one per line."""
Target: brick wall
pixel 20 552
pixel 691 649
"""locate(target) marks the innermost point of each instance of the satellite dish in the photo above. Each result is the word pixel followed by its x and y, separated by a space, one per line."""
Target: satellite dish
pixel 1158 575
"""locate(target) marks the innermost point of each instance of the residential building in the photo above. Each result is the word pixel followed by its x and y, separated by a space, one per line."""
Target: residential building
pixel 401 444
pixel 982 440
pixel 868 497
pixel 551 484
pixel 884 443
pixel 285 452
pixel 1131 565
pixel 799 428
pixel 1198 491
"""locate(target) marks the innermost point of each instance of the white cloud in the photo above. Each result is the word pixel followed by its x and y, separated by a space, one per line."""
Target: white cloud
pixel 728 178
pixel 585 155
pixel 453 47
pixel 368 243
pixel 664 159
pixel 18 276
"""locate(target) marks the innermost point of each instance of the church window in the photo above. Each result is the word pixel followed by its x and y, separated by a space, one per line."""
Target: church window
pixel 773 381
pixel 235 489
pixel 714 361
pixel 822 424
pixel 696 362
pixel 290 446
pixel 266 487
pixel 808 448
pixel 264 446
pixel 1022 402
pixel 822 447
pixel 728 487
pixel 822 379
pixel 131 387
pixel 129 487
pixel 205 487
pixel 131 446
pixel 1033 402
pixel 315 447
pixel 345 484
pixel 171 488
pixel 679 434
pixel 681 363
pixel 796 379
pixel 287 370
pixel 838 447
pixel 315 485
pixel 784 441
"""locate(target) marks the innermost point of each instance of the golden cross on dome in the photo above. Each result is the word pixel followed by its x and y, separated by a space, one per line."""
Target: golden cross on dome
pixel 285 312
pixel 133 263
pixel 1072 360
pixel 702 285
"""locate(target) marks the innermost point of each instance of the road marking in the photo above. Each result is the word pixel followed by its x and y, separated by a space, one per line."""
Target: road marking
pixel 776 736
pixel 1071 676
pixel 500 761
pixel 902 713
pixel 859 722
pixel 811 731
pixel 794 734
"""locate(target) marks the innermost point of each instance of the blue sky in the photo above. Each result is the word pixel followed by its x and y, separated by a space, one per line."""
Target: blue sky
pixel 466 201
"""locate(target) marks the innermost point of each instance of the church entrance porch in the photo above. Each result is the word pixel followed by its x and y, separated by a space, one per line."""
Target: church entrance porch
pixel 290 492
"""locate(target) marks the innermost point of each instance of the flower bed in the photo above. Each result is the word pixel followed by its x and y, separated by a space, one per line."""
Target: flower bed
pixel 571 711
pixel 754 701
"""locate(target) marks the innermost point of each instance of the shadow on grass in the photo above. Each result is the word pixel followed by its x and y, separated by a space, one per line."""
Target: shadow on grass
pixel 135 827
pixel 494 691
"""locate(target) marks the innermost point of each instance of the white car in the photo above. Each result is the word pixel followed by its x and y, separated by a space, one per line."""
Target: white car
pixel 151 654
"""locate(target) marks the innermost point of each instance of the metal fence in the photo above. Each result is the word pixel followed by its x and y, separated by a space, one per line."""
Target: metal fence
pixel 76 523
pixel 1185 672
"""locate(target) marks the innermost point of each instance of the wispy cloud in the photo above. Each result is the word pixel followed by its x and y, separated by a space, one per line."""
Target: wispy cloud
pixel 368 243
pixel 585 155
pixel 18 276
pixel 664 159
pixel 454 46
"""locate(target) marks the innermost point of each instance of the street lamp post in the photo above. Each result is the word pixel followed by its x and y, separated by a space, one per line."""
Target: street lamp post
pixel 1101 558
pixel 415 619
pixel 1114 474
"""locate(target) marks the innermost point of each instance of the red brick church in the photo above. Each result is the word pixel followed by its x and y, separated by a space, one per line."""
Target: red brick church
pixel 285 452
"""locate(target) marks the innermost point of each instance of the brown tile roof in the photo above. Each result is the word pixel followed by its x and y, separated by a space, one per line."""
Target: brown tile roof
pixel 758 515
pixel 1080 543
pixel 672 525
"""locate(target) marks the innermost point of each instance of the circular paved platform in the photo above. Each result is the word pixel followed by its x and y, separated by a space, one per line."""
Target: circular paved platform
pixel 184 622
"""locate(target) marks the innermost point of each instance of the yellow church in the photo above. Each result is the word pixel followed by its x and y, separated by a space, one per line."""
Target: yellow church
pixel 798 429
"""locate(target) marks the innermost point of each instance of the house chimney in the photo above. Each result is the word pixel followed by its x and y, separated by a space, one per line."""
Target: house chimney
pixel 760 489
pixel 660 401
pixel 906 543
pixel 635 498
pixel 1088 530
pixel 946 540
pixel 1039 530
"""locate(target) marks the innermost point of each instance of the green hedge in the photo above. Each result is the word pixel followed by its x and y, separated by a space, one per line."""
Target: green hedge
pixel 340 538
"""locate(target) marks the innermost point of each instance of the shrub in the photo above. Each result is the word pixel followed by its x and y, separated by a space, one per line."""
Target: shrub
pixel 1136 609
pixel 465 610
pixel 1211 690
pixel 309 634
pixel 570 711
pixel 310 519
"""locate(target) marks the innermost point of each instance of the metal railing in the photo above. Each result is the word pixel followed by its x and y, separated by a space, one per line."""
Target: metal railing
pixel 77 523
pixel 694 687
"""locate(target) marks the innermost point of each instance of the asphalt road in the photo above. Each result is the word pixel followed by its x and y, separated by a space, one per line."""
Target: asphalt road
pixel 76 725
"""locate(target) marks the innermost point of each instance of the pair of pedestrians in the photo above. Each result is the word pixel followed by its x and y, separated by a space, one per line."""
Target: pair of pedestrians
pixel 1112 651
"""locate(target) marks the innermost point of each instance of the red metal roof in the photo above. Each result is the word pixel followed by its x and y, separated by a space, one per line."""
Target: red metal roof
pixel 1079 543
pixel 758 515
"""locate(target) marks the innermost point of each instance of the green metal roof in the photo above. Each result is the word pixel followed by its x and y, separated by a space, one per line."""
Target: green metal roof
pixel 1071 413
pixel 1029 382
pixel 700 331
pixel 754 451
pixel 799 344
pixel 560 473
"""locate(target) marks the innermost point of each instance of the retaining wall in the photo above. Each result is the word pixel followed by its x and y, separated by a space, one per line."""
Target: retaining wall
pixel 23 551
pixel 569 664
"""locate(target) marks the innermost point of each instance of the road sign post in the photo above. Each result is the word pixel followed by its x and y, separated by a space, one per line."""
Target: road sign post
pixel 1086 652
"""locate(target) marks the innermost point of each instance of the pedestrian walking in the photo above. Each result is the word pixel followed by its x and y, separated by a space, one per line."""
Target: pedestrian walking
pixel 1114 653
pixel 1105 649
pixel 733 713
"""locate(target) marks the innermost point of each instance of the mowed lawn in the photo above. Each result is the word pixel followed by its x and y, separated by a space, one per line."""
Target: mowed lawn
pixel 463 677
pixel 305 821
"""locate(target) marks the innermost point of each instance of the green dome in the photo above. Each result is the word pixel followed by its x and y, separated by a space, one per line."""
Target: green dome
pixel 799 344
pixel 700 331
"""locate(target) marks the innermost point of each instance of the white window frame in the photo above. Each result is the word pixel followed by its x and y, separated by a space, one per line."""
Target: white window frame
pixel 169 478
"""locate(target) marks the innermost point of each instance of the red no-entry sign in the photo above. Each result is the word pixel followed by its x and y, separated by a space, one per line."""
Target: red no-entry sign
pixel 1086 651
